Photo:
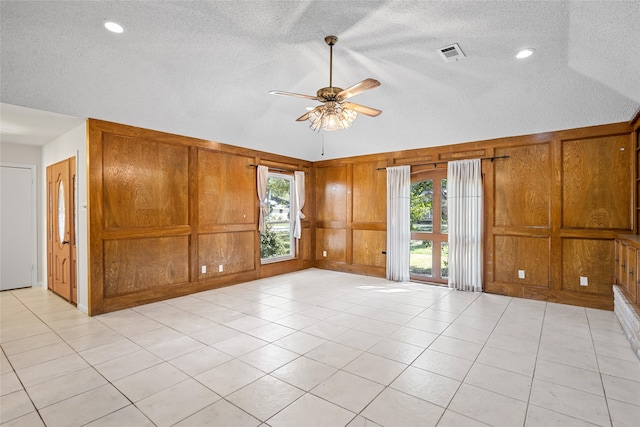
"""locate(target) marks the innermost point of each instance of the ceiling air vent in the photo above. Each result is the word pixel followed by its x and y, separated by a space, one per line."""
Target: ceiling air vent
pixel 451 52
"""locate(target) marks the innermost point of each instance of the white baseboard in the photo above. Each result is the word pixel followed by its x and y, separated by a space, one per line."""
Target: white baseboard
pixel 83 308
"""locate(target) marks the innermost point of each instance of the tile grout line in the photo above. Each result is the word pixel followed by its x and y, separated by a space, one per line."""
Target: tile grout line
pixel 11 364
pixel 595 352
pixel 90 365
pixel 535 365
pixel 385 387
pixel 475 360
pixel 369 305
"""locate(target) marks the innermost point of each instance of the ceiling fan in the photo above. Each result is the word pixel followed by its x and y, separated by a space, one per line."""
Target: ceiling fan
pixel 335 113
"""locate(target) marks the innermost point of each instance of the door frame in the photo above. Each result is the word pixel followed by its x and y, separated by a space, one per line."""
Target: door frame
pixel 34 221
pixel 435 174
pixel 51 217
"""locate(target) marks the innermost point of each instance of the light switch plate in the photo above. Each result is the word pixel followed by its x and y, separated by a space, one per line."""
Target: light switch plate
pixel 584 281
pixel 520 274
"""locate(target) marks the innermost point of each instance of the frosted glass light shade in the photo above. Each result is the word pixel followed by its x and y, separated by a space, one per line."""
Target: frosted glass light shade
pixel 332 117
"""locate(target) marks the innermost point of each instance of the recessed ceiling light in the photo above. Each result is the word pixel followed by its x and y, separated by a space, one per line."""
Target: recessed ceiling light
pixel 524 53
pixel 113 27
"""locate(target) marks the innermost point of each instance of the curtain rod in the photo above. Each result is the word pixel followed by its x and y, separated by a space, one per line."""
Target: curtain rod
pixel 275 169
pixel 442 163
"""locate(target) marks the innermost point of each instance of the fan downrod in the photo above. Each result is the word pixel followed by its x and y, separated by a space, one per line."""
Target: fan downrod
pixel 331 40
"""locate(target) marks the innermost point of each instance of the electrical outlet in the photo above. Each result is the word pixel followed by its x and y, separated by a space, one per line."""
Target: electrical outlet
pixel 520 274
pixel 204 269
pixel 220 268
pixel 324 253
pixel 584 281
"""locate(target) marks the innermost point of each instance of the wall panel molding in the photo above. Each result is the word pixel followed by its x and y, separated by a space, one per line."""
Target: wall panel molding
pixel 162 206
pixel 596 183
pixel 549 207
pixel 552 209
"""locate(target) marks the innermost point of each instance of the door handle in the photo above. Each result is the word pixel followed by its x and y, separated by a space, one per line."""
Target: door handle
pixel 65 242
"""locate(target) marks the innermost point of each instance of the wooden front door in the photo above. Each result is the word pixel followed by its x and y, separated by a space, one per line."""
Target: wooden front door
pixel 61 268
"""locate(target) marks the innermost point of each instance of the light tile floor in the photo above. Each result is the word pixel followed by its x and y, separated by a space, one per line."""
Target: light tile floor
pixel 316 348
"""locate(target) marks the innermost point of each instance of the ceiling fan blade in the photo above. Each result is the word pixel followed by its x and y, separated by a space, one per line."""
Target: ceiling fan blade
pixel 299 95
pixel 362 109
pixel 306 115
pixel 357 88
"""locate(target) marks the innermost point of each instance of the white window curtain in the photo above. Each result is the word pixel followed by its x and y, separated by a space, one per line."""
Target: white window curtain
pixel 398 227
pixel 464 198
pixel 263 176
pixel 298 179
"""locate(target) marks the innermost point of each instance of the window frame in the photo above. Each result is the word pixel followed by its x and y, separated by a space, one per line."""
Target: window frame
pixel 293 244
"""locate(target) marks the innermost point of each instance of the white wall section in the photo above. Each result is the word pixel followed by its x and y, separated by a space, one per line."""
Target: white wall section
pixel 72 144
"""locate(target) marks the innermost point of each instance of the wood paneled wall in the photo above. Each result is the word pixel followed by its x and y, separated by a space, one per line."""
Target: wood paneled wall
pixel 351 216
pixel 558 203
pixel 552 209
pixel 161 206
pixel 636 177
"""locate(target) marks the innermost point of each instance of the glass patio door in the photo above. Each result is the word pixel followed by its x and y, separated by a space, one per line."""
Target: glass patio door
pixel 429 253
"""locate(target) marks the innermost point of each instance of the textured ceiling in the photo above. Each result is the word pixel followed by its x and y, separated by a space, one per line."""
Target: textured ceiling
pixel 204 69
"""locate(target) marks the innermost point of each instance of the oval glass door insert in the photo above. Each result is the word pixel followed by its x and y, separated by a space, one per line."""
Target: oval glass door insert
pixel 62 214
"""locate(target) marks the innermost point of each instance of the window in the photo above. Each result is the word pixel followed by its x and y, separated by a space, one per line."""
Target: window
pixel 429 246
pixel 277 242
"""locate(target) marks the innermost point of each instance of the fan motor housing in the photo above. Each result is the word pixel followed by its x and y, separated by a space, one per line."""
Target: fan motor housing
pixel 328 93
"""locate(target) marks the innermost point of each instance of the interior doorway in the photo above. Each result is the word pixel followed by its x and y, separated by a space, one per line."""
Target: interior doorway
pixel 18 226
pixel 61 236
pixel 429 244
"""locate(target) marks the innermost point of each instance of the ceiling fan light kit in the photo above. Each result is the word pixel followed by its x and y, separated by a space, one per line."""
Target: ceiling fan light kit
pixel 331 116
pixel 335 113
